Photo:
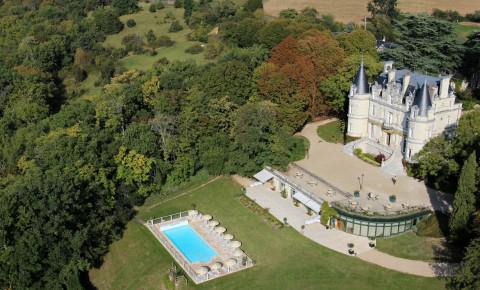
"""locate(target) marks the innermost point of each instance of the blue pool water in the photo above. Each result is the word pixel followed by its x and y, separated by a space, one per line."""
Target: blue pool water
pixel 189 242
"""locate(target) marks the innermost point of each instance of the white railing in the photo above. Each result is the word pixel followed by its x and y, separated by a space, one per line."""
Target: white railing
pixel 168 218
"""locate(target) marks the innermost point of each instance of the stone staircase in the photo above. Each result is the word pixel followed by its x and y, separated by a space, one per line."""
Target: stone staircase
pixel 348 148
pixel 393 166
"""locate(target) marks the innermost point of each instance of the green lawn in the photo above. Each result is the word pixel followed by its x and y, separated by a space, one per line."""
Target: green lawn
pixel 464 30
pixel 145 21
pixel 428 243
pixel 285 259
pixel 300 147
pixel 331 132
pixel 412 246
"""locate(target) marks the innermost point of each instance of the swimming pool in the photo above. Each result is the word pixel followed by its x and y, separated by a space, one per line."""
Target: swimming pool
pixel 189 243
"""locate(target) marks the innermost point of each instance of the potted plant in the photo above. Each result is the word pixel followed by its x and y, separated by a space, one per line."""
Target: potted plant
pixel 284 193
pixel 371 242
pixel 356 193
pixel 297 204
pixel 392 198
pixel 309 211
pixel 350 246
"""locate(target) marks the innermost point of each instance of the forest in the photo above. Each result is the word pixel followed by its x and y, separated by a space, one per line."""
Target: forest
pixel 73 168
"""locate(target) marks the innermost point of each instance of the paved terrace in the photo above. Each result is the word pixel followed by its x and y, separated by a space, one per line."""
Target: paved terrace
pixel 329 162
pixel 334 239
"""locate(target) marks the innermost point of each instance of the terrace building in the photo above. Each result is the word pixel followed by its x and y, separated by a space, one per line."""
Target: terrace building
pixel 401 110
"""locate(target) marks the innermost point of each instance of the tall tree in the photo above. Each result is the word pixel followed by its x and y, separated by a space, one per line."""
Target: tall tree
pixel 471 60
pixel 188 6
pixel 464 200
pixel 425 44
pixel 383 7
pixel 252 5
pixel 468 275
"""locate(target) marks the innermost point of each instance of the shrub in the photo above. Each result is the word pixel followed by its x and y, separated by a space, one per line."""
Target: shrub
pixel 78 73
pixel 133 42
pixel 178 4
pixel 326 213
pixel 357 151
pixel 392 198
pixel 152 8
pixel 151 38
pixel 380 158
pixel 159 5
pixel 367 157
pixel 194 49
pixel 131 23
pixel 213 49
pixel 165 41
pixel 169 17
pixel 125 6
pixel 163 61
pixel 106 20
pixel 175 26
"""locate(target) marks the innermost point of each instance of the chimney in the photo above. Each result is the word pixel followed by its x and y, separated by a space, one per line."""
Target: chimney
pixel 406 82
pixel 387 66
pixel 444 86
pixel 391 75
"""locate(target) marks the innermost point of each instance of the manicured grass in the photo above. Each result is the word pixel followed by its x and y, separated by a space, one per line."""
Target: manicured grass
pixel 155 21
pixel 331 132
pixel 464 29
pixel 284 258
pixel 299 148
pixel 411 246
pixel 434 226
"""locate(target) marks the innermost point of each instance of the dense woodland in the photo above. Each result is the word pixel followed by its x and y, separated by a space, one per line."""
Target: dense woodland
pixel 72 169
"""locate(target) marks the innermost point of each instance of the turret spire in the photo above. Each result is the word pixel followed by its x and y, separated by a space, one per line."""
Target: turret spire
pixel 361 80
pixel 422 100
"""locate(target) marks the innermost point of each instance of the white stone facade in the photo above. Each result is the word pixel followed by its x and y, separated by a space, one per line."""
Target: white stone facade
pixel 402 109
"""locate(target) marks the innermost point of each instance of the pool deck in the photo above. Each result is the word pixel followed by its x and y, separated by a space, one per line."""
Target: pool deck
pixel 215 240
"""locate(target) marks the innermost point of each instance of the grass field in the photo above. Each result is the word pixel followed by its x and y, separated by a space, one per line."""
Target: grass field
pixel 411 246
pixel 355 10
pixel 300 148
pixel 284 258
pixel 465 28
pixel 145 21
pixel 331 132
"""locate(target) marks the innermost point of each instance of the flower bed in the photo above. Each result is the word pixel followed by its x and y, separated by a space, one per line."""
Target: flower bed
pixel 367 157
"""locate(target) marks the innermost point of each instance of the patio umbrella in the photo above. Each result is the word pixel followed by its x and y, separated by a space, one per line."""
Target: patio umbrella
pixel 230 262
pixel 220 230
pixel 235 244
pixel 238 253
pixel 216 266
pixel 193 212
pixel 202 270
pixel 207 217
pixel 228 237
pixel 213 223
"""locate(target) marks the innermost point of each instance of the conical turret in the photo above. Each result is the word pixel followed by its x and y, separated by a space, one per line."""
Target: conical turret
pixel 361 80
pixel 422 100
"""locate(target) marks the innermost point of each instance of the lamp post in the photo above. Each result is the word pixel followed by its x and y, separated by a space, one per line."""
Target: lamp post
pixel 360 181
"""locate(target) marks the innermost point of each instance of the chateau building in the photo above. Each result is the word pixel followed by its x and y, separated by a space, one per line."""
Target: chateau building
pixel 402 110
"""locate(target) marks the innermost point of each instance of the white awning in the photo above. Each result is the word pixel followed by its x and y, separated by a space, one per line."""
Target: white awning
pixel 263 176
pixel 307 201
